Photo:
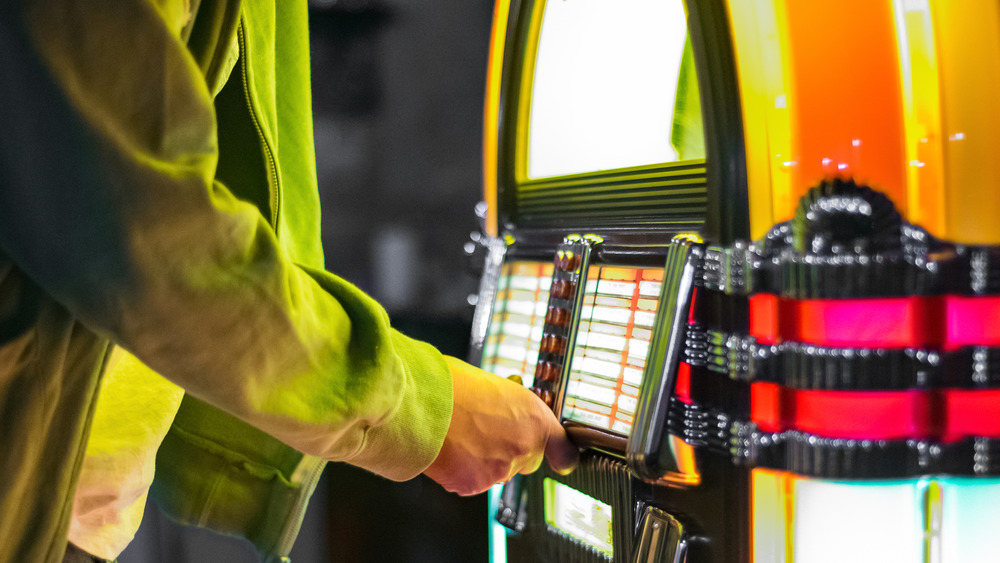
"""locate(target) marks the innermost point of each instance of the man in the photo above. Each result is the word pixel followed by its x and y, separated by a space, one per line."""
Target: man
pixel 158 215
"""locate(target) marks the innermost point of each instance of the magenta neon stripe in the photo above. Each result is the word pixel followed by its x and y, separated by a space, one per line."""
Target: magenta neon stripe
pixel 947 322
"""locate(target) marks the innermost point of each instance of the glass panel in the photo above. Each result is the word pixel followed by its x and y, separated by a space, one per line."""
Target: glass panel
pixel 579 516
pixel 943 519
pixel 511 346
pixel 797 518
pixel 864 521
pixel 612 344
pixel 613 87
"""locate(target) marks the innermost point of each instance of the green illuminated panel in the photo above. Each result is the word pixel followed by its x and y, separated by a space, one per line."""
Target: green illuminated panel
pixel 578 516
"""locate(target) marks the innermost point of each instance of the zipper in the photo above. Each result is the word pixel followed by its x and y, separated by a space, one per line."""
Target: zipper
pixel 310 469
pixel 307 475
pixel 272 168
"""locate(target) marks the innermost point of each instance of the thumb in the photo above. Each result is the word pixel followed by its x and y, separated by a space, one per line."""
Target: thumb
pixel 560 452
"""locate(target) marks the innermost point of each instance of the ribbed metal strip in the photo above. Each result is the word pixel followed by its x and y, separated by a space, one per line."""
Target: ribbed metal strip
pixel 656 171
pixel 665 194
pixel 600 477
pixel 614 194
pixel 617 183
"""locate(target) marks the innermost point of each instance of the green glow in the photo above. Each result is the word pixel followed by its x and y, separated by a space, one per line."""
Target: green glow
pixel 578 516
pixel 497 532
pixel 970 511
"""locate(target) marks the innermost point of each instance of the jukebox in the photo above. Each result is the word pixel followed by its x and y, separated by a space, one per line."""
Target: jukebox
pixel 747 251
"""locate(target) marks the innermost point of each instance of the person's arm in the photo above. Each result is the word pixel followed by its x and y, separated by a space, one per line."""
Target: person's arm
pixel 108 202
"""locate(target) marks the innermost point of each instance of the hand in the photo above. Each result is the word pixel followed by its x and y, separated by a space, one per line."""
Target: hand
pixel 498 429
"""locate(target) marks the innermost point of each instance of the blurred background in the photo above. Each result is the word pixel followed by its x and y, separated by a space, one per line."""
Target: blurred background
pixel 397 97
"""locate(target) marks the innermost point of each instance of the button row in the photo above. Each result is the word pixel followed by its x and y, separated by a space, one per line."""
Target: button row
pixel 553 346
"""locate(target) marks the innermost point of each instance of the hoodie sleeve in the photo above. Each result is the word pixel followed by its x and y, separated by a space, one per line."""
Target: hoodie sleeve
pixel 109 202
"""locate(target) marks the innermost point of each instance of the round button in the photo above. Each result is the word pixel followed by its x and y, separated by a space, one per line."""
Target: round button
pixel 567 261
pixel 572 261
pixel 553 344
pixel 548 397
pixel 562 260
pixel 545 345
pixel 547 371
pixel 557 316
pixel 562 289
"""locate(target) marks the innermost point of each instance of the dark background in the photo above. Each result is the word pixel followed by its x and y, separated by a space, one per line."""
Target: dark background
pixel 398 87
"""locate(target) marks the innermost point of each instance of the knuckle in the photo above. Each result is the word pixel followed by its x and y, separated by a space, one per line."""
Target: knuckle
pixel 520 448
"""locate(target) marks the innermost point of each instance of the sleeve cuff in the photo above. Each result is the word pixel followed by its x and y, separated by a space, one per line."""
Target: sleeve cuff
pixel 409 441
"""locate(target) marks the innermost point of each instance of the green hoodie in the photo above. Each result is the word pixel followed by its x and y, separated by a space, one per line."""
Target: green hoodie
pixel 158 192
